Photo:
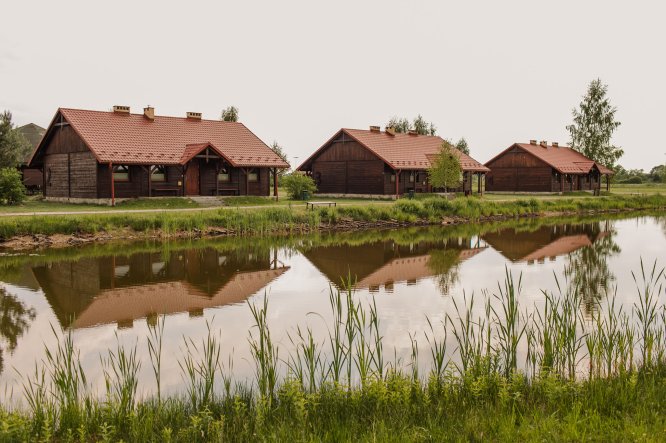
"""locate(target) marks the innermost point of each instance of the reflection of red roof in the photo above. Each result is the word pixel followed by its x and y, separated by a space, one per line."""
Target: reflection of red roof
pixel 561 246
pixel 407 269
pixel 130 303
pixel 133 139
pixel 404 151
pixel 563 158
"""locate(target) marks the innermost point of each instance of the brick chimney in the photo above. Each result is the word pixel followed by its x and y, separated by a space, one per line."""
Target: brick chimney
pixel 375 128
pixel 118 109
pixel 556 145
pixel 193 115
pixel 533 142
pixel 413 132
pixel 390 130
pixel 543 143
pixel 149 113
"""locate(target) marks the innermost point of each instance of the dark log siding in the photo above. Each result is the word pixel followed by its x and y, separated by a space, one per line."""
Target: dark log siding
pixel 82 177
pixel 69 166
pixel 346 167
pixel 519 171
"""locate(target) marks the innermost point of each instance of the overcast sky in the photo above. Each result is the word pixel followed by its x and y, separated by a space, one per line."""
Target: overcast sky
pixel 495 72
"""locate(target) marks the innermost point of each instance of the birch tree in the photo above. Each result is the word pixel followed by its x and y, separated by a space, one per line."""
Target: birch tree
pixel 593 126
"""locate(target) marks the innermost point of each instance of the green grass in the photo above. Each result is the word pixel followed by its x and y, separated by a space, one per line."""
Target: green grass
pixel 37 204
pixel 294 219
pixel 349 388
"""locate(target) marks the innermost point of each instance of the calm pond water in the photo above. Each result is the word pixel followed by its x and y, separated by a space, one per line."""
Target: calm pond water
pixel 117 290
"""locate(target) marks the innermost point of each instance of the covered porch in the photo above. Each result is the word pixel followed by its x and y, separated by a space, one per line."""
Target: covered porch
pixel 417 181
pixel 203 171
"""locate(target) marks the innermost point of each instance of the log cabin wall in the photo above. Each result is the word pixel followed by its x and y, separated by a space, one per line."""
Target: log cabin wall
pixel 518 171
pixel 346 167
pixel 70 168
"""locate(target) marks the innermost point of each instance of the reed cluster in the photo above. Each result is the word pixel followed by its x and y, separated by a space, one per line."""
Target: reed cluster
pixel 495 370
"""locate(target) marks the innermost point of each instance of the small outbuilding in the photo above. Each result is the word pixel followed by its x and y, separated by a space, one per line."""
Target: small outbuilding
pixel 540 167
pixel 32 177
pixel 375 162
pixel 94 155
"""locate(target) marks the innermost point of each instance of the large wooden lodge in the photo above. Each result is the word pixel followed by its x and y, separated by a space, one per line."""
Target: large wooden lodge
pixel 101 156
pixel 375 162
pixel 540 167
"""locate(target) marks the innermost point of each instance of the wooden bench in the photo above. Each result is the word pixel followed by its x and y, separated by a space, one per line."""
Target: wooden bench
pixel 221 189
pixel 167 189
pixel 311 205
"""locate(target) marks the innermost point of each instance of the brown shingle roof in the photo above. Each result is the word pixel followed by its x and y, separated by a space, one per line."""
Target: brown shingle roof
pixel 133 139
pixel 408 269
pixel 563 158
pixel 404 151
pixel 134 302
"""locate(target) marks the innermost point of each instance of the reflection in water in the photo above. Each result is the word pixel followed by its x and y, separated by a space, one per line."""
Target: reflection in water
pixel 545 242
pixel 588 271
pixel 15 319
pixel 587 247
pixel 121 289
pixel 407 271
pixel 385 263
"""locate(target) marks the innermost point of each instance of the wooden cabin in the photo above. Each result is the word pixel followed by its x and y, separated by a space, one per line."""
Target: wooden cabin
pixel 376 162
pixel 92 155
pixel 540 167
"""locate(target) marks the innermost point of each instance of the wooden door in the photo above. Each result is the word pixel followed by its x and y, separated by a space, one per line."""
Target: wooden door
pixel 192 178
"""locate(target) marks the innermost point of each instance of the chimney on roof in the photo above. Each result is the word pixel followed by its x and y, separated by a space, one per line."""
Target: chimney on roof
pixel 533 142
pixel 193 115
pixel 149 113
pixel 118 109
pixel 413 132
pixel 390 130
pixel 543 143
pixel 556 145
pixel 374 129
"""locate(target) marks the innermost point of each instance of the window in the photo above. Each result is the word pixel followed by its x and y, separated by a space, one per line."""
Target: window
pixel 412 177
pixel 253 175
pixel 158 174
pixel 392 178
pixel 121 173
pixel 223 175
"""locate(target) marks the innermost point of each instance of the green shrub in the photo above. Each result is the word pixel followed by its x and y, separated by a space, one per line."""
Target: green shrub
pixel 297 183
pixel 12 191
pixel 635 180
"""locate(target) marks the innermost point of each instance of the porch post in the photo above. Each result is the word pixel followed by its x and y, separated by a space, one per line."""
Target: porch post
pixel 113 185
pixel 275 183
pixel 607 183
pixel 184 169
pixel 247 181
pixel 397 183
pixel 150 180
pixel 217 177
pixel 478 184
pixel 561 182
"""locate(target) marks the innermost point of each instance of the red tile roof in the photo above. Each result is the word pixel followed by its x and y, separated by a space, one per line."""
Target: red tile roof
pixel 133 139
pixel 563 158
pixel 403 151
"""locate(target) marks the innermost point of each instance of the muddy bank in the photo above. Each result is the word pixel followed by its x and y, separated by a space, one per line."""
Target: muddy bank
pixel 40 241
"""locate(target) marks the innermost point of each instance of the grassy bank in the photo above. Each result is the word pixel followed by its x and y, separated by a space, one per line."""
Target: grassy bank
pixel 290 220
pixel 555 373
